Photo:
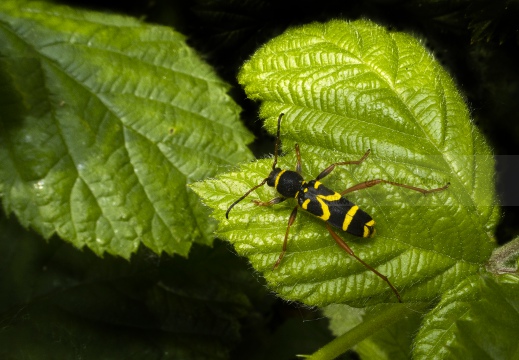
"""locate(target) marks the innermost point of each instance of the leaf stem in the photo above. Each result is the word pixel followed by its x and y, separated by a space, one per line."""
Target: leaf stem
pixel 378 322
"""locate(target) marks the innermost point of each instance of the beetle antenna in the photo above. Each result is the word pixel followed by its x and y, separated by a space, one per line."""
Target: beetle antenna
pixel 244 196
pixel 264 180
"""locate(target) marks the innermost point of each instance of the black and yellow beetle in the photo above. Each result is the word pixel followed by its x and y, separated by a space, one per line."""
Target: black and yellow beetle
pixel 324 203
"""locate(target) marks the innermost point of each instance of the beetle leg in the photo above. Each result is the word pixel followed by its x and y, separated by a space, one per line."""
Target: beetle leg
pixel 291 220
pixel 346 248
pixel 371 183
pixel 299 168
pixel 330 168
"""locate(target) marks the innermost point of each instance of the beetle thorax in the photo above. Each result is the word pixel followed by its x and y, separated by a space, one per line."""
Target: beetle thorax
pixel 286 182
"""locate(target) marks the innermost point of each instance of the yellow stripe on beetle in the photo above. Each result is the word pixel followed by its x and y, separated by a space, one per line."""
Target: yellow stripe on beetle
pixel 349 217
pixel 330 198
pixel 277 179
pixel 326 211
pixel 305 204
pixel 367 230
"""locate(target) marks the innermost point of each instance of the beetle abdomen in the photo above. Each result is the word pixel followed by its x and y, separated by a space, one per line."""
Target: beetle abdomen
pixel 331 207
pixel 348 217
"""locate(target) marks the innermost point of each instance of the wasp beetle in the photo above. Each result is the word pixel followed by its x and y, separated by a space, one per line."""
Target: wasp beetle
pixel 326 204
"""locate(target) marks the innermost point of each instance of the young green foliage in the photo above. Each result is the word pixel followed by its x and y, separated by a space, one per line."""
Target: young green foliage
pixel 104 121
pixel 346 87
pixel 479 319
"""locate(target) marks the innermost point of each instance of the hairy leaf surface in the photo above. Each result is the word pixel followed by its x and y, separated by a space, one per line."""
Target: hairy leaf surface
pixel 346 87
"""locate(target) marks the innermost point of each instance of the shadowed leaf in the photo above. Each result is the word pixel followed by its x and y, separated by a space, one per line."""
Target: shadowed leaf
pixel 105 120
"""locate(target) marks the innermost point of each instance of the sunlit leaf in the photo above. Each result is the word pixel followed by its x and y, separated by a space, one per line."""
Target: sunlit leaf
pixel 346 87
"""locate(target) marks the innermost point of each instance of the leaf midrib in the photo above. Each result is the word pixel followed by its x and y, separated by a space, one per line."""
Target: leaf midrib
pixel 476 223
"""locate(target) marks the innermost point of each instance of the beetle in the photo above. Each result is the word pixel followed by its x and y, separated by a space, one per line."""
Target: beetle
pixel 330 206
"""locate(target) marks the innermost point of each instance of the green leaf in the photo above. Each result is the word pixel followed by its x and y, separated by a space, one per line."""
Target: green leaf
pixel 479 319
pixel 346 87
pixel 104 121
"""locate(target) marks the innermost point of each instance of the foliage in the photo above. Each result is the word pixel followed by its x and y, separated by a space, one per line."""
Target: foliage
pixel 98 141
pixel 346 88
pixel 108 123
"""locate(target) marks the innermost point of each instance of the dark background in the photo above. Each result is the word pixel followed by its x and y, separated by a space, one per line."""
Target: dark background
pixel 476 41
